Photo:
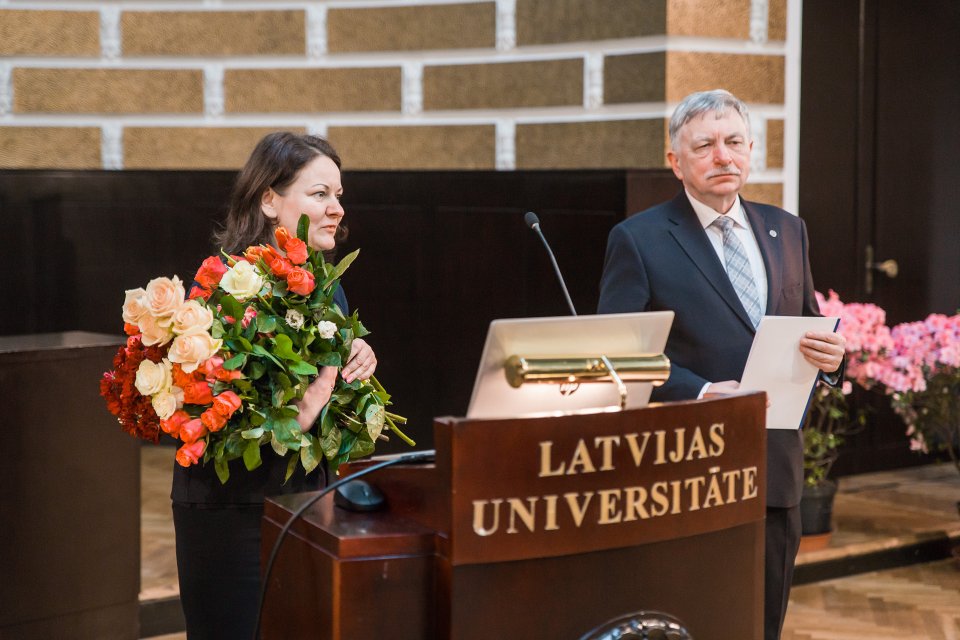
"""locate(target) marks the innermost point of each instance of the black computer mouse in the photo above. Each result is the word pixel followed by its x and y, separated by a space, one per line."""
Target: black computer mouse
pixel 358 495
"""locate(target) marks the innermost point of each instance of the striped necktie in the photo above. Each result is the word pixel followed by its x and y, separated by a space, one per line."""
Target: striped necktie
pixel 739 271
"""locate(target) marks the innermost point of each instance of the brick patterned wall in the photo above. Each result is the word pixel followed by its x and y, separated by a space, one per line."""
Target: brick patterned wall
pixel 396 84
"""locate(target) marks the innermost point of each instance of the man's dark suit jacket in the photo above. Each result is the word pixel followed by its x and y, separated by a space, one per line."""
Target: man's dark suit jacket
pixel 662 259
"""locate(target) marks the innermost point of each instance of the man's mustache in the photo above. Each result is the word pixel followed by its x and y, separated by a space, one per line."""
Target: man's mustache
pixel 725 171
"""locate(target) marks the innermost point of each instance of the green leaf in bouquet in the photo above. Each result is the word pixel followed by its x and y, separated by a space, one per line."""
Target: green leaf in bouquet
pixel 251 455
pixel 280 289
pixel 303 368
pixel 287 431
pixel 222 469
pixel 359 330
pixel 291 467
pixel 256 417
pixel 244 343
pixel 342 266
pixel 326 421
pixel 256 370
pixel 343 396
pixel 266 323
pixel 330 443
pixel 253 433
pixel 303 226
pixel 329 359
pixel 230 307
pixel 249 331
pixel 236 362
pixel 283 347
pixel 361 448
pixel 260 351
pixel 347 441
pixel 288 411
pixel 310 452
pixel 278 447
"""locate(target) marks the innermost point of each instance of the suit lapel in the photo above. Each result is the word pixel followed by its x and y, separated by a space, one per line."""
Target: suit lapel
pixel 692 239
pixel 767 232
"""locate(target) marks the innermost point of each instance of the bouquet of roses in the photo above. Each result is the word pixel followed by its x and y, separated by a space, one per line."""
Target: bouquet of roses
pixel 223 368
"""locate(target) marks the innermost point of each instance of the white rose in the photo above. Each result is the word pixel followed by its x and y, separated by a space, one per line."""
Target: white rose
pixel 190 349
pixel 165 404
pixel 135 305
pixel 153 377
pixel 242 281
pixel 295 319
pixel 192 314
pixel 164 296
pixel 154 331
pixel 326 329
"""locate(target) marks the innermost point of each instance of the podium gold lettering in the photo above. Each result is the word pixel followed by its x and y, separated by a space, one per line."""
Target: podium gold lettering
pixel 731 477
pixel 519 509
pixel 660 494
pixel 698 448
pixel 551 506
pixel 749 483
pixel 479 508
pixel 545 470
pixel 677 454
pixel 578 510
pixel 637 446
pixel 716 439
pixel 714 495
pixel 606 444
pixel 633 504
pixel 609 506
pixel 581 458
pixel 693 485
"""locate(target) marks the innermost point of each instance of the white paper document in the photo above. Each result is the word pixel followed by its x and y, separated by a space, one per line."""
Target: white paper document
pixel 775 365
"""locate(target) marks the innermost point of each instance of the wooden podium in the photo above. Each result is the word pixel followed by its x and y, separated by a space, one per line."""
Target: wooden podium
pixel 540 528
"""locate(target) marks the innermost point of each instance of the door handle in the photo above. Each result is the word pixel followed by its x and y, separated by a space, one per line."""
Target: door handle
pixel 889 268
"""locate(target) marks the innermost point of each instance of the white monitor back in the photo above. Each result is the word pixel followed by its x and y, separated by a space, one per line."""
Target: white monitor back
pixel 611 335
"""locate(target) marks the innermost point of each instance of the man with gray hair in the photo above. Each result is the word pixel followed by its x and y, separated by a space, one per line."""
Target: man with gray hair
pixel 720 263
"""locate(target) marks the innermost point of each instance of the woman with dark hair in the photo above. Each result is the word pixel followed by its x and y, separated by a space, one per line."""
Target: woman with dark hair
pixel 218 525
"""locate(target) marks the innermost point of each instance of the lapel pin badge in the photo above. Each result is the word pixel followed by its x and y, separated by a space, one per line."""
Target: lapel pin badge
pixel 773 234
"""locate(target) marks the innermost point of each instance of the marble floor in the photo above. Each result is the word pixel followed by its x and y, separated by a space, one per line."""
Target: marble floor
pixel 874 514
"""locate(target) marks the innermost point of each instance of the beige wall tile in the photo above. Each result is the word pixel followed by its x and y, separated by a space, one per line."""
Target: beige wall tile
pixel 775 144
pixel 415 147
pixel 634 78
pixel 766 192
pixel 496 86
pixel 190 147
pixel 308 90
pixel 107 91
pixel 752 78
pixel 50 148
pixel 777 20
pixel 439 26
pixel 213 33
pixel 27 32
pixel 555 21
pixel 709 18
pixel 591 145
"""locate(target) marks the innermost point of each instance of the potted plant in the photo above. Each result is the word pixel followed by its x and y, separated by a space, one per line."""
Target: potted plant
pixel 922 376
pixel 830 419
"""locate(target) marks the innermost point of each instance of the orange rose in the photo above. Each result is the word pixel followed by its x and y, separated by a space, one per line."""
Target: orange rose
pixel 210 272
pixel 213 420
pixel 197 392
pixel 174 423
pixel 280 266
pixel 296 250
pixel 192 430
pixel 130 329
pixel 300 281
pixel 191 453
pixel 213 369
pixel 197 292
pixel 226 403
pixel 282 236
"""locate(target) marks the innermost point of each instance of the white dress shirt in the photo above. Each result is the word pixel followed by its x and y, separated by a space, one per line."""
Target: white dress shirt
pixel 744 233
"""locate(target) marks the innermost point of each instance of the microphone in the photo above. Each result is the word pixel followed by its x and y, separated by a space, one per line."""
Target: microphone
pixel 532 221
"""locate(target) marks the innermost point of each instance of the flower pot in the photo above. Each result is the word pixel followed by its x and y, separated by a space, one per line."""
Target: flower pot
pixel 816 508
